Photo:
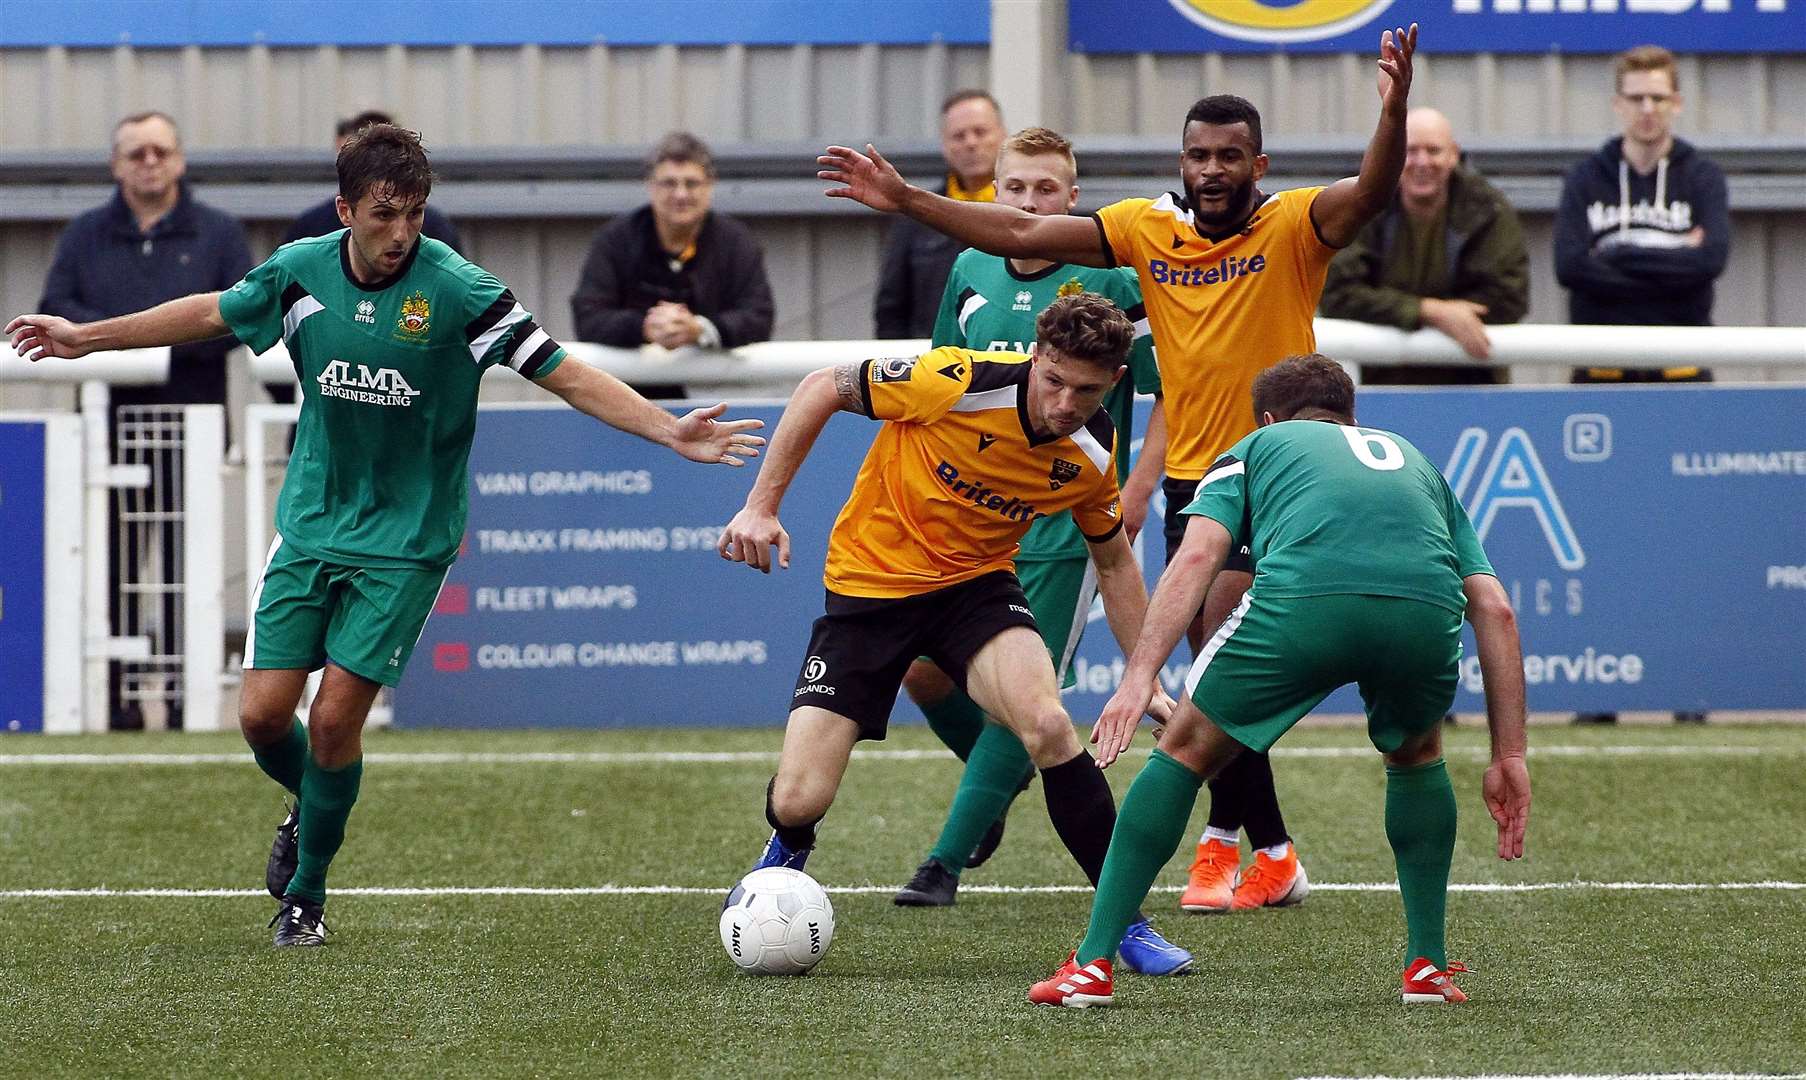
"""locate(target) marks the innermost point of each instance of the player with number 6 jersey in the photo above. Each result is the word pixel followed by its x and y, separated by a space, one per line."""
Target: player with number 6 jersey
pixel 1365 566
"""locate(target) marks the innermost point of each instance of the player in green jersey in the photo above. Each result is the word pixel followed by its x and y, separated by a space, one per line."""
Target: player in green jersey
pixel 991 303
pixel 390 334
pixel 1365 564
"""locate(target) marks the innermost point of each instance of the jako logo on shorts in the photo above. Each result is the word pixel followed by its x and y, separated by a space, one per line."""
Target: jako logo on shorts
pixel 1280 21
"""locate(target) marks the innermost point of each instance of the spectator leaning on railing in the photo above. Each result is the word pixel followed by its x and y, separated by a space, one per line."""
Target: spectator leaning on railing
pixel 1643 230
pixel 152 242
pixel 918 259
pixel 674 272
pixel 1448 253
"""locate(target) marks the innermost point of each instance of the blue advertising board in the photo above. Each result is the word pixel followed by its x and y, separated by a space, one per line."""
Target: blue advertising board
pixel 1445 26
pixel 1652 539
pixel 21 576
pixel 174 23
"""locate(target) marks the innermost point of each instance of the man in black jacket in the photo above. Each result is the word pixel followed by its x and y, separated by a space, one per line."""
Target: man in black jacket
pixel 918 259
pixel 151 243
pixel 674 272
pixel 1643 230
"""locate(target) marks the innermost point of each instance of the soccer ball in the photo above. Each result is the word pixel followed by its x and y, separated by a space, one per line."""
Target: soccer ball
pixel 777 921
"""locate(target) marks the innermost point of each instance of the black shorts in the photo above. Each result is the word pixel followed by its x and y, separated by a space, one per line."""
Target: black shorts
pixel 1179 494
pixel 860 648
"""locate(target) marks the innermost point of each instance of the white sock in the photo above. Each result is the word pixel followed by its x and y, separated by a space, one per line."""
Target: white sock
pixel 1277 851
pixel 1232 837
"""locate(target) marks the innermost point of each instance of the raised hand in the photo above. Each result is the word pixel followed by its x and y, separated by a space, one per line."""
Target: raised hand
pixel 700 437
pixel 38 336
pixel 1396 49
pixel 867 177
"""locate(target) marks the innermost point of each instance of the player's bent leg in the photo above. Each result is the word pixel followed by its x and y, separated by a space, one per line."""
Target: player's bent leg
pixel 278 741
pixel 329 788
pixel 818 744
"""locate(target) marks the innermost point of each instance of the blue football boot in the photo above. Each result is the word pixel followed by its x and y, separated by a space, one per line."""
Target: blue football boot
pixel 1145 952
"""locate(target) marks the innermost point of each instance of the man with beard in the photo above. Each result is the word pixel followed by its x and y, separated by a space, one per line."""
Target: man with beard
pixel 1231 277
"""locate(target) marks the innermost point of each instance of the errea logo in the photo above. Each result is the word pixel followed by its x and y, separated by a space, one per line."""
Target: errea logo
pixel 384 386
pixel 366 312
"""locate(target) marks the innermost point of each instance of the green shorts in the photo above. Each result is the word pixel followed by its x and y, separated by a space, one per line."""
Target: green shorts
pixel 1274 660
pixel 365 619
pixel 1059 592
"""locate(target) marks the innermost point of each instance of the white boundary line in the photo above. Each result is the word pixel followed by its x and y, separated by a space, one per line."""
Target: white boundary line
pixel 702 757
pixel 1584 1076
pixel 104 892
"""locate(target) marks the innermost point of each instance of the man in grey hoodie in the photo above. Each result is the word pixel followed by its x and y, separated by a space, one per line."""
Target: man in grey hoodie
pixel 1643 230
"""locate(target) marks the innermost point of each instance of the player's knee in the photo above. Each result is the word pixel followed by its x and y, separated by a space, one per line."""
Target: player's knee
pixel 1418 750
pixel 263 724
pixel 1048 734
pixel 796 800
pixel 926 684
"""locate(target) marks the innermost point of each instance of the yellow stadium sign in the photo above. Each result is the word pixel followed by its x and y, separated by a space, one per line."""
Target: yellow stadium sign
pixel 1280 21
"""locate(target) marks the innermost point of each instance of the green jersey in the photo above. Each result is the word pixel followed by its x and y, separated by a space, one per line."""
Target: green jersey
pixel 389 375
pixel 1329 509
pixel 987 305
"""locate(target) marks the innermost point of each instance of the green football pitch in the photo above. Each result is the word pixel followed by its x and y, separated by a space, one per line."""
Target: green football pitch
pixel 542 904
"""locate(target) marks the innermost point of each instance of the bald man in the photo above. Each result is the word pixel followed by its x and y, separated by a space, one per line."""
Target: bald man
pixel 1448 254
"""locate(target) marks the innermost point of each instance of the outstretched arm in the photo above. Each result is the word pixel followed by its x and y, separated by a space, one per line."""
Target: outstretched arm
pixel 1176 600
pixel 989 227
pixel 755 530
pixel 177 322
pixel 1339 211
pixel 696 435
pixel 1507 783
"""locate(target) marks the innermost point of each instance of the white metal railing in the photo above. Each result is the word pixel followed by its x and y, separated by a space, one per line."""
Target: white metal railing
pixel 1347 341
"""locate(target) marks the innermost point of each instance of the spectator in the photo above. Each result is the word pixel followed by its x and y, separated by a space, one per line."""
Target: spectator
pixel 322 218
pixel 674 272
pixel 1643 229
pixel 152 242
pixel 1448 253
pixel 917 259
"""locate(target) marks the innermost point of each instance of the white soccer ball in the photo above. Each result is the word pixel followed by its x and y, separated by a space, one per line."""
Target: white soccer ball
pixel 777 921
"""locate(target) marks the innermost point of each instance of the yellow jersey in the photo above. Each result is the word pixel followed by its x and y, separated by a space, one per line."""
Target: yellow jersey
pixel 956 475
pixel 1221 308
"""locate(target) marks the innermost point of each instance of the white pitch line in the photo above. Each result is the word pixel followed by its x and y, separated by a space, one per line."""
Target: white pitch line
pixel 885 890
pixel 710 757
pixel 1583 1076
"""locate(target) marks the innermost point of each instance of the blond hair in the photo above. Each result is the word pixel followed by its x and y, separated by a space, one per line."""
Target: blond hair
pixel 1038 142
pixel 1646 58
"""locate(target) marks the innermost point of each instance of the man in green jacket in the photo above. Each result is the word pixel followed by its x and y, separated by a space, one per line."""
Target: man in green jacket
pixel 1449 253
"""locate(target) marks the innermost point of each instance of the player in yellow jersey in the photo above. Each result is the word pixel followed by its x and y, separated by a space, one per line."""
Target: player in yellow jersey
pixel 1231 277
pixel 975 447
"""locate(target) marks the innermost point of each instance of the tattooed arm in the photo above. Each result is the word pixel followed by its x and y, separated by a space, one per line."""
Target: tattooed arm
pixel 755 530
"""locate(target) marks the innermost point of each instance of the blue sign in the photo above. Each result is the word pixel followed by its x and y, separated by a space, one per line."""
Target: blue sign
pixel 21 576
pixel 105 23
pixel 1445 26
pixel 1653 541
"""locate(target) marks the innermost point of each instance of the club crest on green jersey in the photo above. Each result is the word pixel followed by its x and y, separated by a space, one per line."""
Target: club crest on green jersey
pixel 416 316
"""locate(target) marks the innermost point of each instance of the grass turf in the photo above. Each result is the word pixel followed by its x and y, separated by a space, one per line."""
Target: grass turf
pixel 1566 981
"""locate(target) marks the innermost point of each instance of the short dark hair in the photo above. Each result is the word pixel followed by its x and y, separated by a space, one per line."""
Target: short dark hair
pixel 351 125
pixel 384 154
pixel 970 94
pixel 1219 109
pixel 1300 383
pixel 1088 327
pixel 681 147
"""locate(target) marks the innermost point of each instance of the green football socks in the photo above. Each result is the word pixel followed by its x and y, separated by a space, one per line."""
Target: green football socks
pixel 327 796
pixel 1148 830
pixel 285 759
pixel 1420 824
pixel 957 720
pixel 992 778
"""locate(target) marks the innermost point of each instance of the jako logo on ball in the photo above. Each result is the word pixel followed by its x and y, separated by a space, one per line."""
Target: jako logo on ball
pixel 1280 20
